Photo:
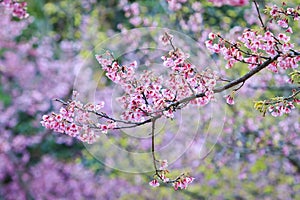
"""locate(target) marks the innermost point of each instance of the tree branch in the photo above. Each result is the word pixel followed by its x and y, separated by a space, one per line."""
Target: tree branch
pixel 259 16
pixel 153 144
pixel 247 75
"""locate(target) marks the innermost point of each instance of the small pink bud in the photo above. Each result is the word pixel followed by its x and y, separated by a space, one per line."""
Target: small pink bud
pixel 289 30
pixel 229 100
pixel 211 36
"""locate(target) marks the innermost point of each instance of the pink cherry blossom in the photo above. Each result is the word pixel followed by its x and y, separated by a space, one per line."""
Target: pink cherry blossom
pixel 183 183
pixel 283 23
pixel 154 183
pixel 283 37
pixel 163 164
pixel 166 38
pixel 289 30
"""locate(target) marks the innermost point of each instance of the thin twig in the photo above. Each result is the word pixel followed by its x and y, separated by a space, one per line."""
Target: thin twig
pixel 153 144
pixel 239 86
pixel 223 79
pixel 172 45
pixel 285 99
pixel 235 45
pixel 259 15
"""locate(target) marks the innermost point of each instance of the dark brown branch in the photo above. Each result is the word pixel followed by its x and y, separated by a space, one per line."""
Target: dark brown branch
pixel 223 79
pixel 295 52
pixel 236 89
pixel 259 15
pixel 61 101
pixel 293 95
pixel 247 76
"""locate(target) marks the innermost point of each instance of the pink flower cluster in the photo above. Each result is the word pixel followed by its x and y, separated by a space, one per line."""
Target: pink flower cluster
pixel 18 9
pixel 146 95
pixel 166 38
pixel 75 120
pixel 161 174
pixel 260 46
pixel 118 74
pixel 281 14
pixel 281 108
pixel 186 80
pixel 181 182
pixel 229 2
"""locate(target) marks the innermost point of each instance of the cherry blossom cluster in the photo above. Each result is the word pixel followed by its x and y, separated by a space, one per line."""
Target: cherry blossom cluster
pixel 281 108
pixel 261 46
pixel 181 181
pixel 18 9
pixel 255 48
pixel 229 2
pixel 76 120
pixel 148 95
pixel 186 80
pixel 278 106
pixel 281 15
